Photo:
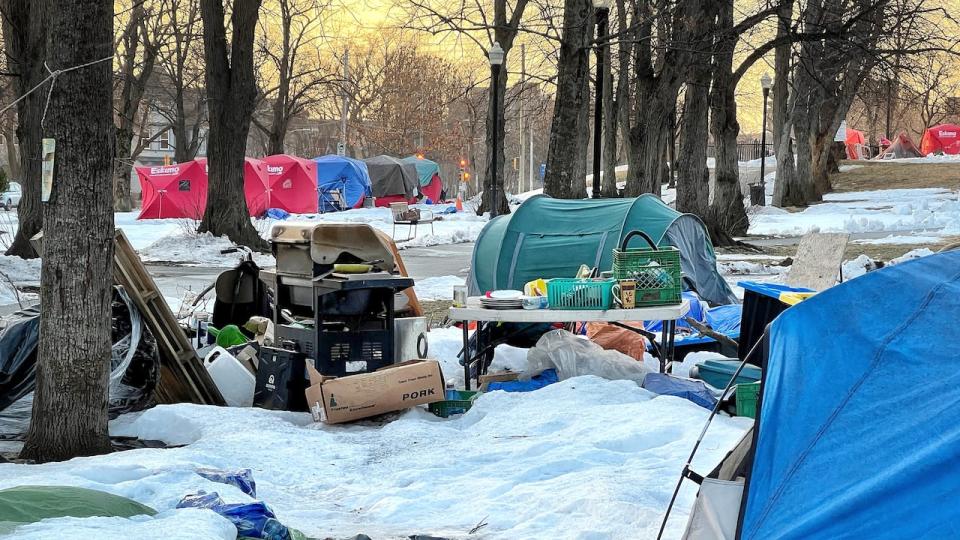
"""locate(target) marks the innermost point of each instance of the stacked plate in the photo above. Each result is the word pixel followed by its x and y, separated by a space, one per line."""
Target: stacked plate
pixel 503 300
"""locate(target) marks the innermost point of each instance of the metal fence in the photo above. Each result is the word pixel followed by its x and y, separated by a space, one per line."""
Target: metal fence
pixel 746 151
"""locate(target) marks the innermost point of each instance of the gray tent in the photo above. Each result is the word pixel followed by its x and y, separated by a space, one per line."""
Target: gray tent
pixel 390 176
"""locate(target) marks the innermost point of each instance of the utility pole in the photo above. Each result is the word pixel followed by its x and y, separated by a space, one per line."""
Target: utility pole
pixel 342 147
pixel 523 79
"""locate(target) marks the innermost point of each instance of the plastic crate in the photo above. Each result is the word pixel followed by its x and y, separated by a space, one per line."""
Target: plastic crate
pixel 450 407
pixel 656 271
pixel 747 397
pixel 565 293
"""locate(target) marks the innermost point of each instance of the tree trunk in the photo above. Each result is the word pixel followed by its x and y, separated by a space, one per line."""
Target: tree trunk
pixel 566 155
pixel 13 156
pixel 608 185
pixel 693 185
pixel 231 90
pixel 122 198
pixel 70 404
pixel 500 130
pixel 24 35
pixel 781 72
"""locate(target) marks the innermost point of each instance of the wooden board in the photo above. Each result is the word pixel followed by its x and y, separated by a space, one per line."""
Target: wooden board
pixel 818 261
pixel 183 379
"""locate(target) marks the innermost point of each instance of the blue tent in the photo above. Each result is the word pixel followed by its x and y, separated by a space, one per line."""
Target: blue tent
pixel 857 433
pixel 347 175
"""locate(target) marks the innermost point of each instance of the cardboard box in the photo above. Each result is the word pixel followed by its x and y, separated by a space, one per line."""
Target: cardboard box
pixel 503 376
pixel 334 400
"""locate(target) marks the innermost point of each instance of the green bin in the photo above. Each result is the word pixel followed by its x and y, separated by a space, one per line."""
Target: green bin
pixel 747 397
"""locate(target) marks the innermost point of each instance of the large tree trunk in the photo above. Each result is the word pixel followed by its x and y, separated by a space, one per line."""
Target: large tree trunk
pixel 566 164
pixel 693 185
pixel 13 156
pixel 608 185
pixel 70 404
pixel 232 92
pixel 122 198
pixel 24 36
pixel 781 72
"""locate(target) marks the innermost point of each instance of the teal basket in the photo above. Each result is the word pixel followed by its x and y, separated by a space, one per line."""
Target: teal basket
pixel 580 293
pixel 656 271
pixel 450 407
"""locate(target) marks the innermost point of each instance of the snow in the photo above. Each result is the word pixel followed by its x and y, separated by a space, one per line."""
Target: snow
pixel 519 462
pixel 16 272
pixel 900 240
pixel 186 524
pixel 894 210
pixel 437 288
pixel 194 249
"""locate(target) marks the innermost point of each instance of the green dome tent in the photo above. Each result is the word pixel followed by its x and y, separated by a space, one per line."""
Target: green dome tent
pixel 425 168
pixel 546 238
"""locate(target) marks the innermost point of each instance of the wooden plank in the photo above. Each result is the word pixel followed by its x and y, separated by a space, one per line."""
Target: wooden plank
pixel 818 261
pixel 182 375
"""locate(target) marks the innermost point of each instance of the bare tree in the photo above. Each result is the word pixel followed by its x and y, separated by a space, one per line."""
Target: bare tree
pixel 232 93
pixel 70 404
pixel 24 35
pixel 181 98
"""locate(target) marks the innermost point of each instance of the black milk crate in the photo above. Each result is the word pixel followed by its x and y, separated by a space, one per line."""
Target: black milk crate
pixel 349 353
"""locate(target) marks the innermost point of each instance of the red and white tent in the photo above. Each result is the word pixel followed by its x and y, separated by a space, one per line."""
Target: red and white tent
pixel 293 183
pixel 173 191
pixel 944 138
pixel 255 185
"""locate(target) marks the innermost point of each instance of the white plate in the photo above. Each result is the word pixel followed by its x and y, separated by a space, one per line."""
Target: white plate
pixel 506 295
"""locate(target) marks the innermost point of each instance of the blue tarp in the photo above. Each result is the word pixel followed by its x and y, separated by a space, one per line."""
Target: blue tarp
pixel 858 435
pixel 347 175
pixel 668 385
pixel 548 377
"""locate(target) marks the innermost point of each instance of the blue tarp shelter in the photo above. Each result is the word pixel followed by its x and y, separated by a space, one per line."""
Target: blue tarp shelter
pixel 347 175
pixel 857 433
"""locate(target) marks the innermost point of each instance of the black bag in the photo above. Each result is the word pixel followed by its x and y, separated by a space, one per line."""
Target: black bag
pixel 281 380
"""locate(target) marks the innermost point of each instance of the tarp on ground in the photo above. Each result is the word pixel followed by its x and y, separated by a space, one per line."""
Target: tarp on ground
pixel 426 169
pixel 390 176
pixel 857 434
pixel 29 504
pixel 944 138
pixel 340 173
pixel 256 184
pixel 855 143
pixel 293 183
pixel 173 191
pixel 902 147
pixel 548 238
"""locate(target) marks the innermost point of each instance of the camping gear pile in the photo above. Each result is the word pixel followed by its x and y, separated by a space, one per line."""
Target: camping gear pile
pixel 292 184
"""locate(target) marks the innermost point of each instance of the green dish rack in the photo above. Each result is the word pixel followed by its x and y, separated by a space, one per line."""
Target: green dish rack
pixel 747 397
pixel 656 271
pixel 587 293
pixel 450 407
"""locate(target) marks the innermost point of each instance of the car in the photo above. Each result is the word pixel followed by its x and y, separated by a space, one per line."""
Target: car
pixel 11 197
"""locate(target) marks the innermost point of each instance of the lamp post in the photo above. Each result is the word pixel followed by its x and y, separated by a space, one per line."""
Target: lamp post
pixel 602 16
pixel 766 83
pixel 495 56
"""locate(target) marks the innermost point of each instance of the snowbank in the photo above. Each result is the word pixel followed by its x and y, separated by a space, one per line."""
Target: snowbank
pixel 437 288
pixel 192 249
pixel 16 272
pixel 582 458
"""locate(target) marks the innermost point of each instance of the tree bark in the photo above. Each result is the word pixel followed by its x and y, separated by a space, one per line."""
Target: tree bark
pixel 70 404
pixel 566 155
pixel 608 185
pixel 693 184
pixel 24 35
pixel 781 72
pixel 13 156
pixel 232 92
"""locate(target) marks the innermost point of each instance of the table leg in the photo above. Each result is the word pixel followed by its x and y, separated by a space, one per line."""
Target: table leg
pixel 671 345
pixel 466 355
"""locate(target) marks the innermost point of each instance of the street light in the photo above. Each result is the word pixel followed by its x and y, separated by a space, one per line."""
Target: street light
pixel 495 56
pixel 766 83
pixel 602 15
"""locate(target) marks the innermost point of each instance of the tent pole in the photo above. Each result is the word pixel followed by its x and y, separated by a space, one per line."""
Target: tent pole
pixel 713 413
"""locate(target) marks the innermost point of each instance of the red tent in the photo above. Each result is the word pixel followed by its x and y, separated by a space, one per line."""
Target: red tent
pixel 432 190
pixel 255 185
pixel 855 143
pixel 293 183
pixel 173 191
pixel 944 138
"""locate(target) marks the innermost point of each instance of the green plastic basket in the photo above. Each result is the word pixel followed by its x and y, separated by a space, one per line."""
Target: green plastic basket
pixel 450 407
pixel 588 293
pixel 656 271
pixel 747 396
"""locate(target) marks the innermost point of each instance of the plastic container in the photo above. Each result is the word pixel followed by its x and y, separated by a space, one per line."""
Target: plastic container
pixel 656 271
pixel 235 382
pixel 717 373
pixel 565 293
pixel 747 397
pixel 450 407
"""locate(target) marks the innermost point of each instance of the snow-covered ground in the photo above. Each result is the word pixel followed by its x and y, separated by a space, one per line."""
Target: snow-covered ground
pixel 528 465
pixel 437 288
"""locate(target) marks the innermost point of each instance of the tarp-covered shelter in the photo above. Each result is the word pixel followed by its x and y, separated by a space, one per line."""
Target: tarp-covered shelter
pixel 856 144
pixel 944 138
pixel 901 147
pixel 391 179
pixel 428 176
pixel 547 238
pixel 856 431
pixel 293 183
pixel 345 175
pixel 173 191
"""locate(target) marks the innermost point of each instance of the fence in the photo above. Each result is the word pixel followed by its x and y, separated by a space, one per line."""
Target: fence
pixel 746 151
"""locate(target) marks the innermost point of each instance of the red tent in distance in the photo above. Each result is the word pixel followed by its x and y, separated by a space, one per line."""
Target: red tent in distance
pixel 293 183
pixel 944 138
pixel 255 185
pixel 173 191
pixel 855 144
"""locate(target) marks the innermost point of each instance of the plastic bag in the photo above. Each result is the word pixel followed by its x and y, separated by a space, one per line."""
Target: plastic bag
pixel 253 520
pixel 573 356
pixel 18 355
pixel 242 479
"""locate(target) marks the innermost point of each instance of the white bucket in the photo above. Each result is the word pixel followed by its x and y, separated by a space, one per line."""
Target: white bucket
pixel 235 382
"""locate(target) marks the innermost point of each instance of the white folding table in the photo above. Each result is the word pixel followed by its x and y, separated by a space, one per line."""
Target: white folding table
pixel 475 312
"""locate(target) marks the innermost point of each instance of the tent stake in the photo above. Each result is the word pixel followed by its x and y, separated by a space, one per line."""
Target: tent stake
pixel 693 452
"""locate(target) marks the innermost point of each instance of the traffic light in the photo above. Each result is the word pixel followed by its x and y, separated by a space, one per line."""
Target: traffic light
pixel 463 163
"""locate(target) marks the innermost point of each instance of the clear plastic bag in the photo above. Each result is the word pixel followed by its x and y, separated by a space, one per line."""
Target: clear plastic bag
pixel 573 356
